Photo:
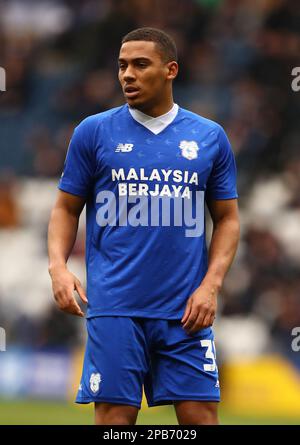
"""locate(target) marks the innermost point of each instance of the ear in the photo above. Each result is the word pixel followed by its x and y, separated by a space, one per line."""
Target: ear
pixel 172 70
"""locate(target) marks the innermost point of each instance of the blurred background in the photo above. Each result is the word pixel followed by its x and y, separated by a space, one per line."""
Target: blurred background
pixel 236 58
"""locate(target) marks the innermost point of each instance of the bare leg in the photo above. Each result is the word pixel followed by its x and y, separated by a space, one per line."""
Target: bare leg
pixel 112 414
pixel 189 412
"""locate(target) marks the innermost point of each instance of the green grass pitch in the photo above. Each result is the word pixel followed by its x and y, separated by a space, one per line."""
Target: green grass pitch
pixel 27 412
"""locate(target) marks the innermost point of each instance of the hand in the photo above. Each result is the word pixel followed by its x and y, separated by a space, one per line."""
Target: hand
pixel 63 284
pixel 201 308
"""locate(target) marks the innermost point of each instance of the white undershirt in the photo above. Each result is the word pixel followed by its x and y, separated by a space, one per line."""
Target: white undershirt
pixel 154 124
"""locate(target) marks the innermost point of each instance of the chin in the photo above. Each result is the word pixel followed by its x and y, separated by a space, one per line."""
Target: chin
pixel 135 103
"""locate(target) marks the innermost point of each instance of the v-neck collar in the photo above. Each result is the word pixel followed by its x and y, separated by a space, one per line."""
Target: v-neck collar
pixel 154 124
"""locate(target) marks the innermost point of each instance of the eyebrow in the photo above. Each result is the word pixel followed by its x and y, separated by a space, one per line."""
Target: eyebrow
pixel 136 59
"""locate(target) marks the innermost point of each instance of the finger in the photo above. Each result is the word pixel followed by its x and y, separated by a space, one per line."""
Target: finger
pixel 191 318
pixel 68 304
pixel 209 320
pixel 77 312
pixel 74 308
pixel 187 311
pixel 205 322
pixel 80 291
pixel 212 319
pixel 197 325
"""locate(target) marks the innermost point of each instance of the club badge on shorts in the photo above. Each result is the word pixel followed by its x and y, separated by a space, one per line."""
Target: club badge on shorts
pixel 95 380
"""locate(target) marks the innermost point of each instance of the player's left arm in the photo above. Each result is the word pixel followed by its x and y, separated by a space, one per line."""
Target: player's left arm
pixel 202 305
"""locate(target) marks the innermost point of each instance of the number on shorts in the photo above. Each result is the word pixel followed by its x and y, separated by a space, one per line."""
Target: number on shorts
pixel 211 354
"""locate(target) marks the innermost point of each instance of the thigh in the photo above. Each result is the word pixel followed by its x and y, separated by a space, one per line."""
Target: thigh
pixel 183 367
pixel 115 362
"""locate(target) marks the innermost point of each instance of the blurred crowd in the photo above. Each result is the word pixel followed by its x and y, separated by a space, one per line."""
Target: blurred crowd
pixel 236 58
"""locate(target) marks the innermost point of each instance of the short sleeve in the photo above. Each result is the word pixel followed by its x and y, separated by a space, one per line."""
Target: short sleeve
pixel 222 181
pixel 79 167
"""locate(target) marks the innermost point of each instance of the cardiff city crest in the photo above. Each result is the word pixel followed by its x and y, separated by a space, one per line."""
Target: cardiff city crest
pixel 189 149
pixel 95 380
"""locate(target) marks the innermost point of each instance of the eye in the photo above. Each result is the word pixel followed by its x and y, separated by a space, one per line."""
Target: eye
pixel 141 63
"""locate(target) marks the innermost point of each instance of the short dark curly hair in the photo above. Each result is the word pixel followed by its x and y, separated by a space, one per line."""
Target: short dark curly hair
pixel 164 42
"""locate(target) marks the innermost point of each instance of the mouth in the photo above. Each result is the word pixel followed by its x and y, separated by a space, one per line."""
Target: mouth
pixel 131 92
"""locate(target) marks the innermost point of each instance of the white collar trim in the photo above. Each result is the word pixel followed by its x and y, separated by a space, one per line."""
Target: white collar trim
pixel 154 124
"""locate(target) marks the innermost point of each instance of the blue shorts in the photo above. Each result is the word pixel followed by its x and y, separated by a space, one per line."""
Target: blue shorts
pixel 123 354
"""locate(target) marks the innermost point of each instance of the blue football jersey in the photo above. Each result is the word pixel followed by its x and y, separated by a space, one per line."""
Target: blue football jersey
pixel 145 200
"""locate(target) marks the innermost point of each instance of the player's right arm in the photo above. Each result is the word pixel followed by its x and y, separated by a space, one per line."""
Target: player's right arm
pixel 62 231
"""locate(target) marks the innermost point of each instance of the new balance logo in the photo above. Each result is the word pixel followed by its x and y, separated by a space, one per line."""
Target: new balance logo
pixel 125 148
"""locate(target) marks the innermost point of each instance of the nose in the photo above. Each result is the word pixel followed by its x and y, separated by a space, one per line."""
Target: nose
pixel 128 74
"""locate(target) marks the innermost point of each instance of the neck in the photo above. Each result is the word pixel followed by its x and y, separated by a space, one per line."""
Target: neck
pixel 157 109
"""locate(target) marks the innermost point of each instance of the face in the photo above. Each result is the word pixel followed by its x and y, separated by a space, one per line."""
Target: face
pixel 144 76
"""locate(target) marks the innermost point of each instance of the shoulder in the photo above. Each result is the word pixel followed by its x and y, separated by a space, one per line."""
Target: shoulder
pixel 201 120
pixel 89 130
pixel 92 122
